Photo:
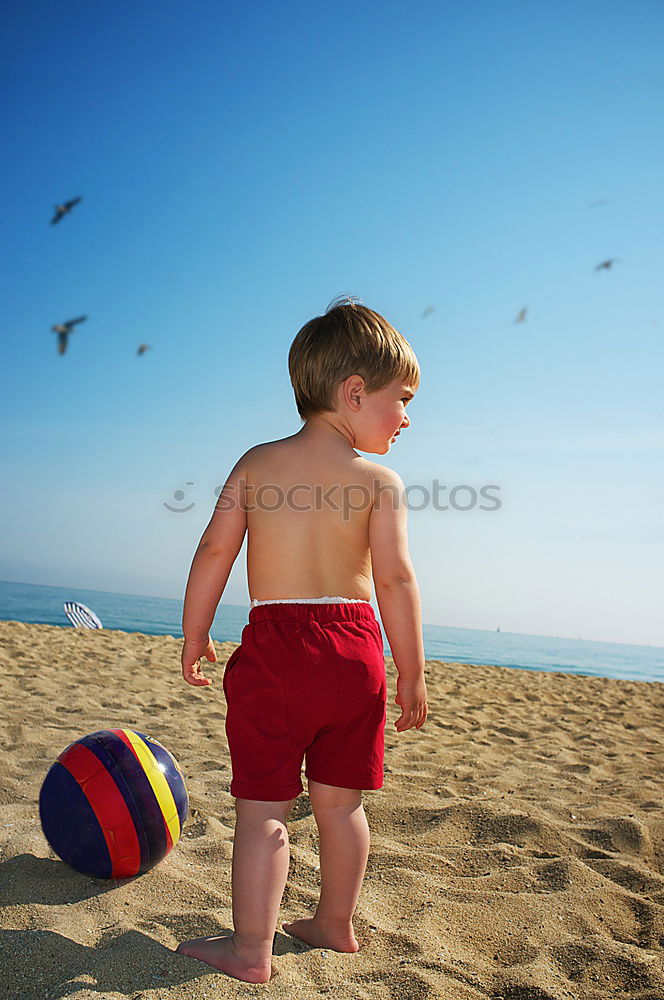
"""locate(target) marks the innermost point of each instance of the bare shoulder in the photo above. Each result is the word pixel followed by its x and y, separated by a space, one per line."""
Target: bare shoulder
pixel 250 455
pixel 385 485
pixel 263 452
pixel 357 468
pixel 384 477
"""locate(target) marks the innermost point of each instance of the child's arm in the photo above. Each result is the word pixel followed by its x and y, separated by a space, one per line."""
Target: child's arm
pixel 217 551
pixel 398 596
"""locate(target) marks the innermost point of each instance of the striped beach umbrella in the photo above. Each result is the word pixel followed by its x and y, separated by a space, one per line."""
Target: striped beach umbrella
pixel 80 615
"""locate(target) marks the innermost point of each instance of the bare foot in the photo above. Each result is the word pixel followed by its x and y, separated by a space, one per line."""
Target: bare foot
pixel 313 932
pixel 221 952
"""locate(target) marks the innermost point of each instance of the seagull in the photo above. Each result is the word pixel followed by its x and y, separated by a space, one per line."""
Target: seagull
pixel 61 210
pixel 64 329
pixel 522 315
pixel 428 311
pixel 607 264
pixel 142 348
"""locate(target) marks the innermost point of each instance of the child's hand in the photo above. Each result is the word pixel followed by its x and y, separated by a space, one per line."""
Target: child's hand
pixel 193 650
pixel 412 696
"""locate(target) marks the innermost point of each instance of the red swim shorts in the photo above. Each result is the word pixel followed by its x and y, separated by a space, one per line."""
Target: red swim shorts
pixel 307 680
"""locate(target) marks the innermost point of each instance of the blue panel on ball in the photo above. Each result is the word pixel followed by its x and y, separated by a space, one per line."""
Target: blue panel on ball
pixel 70 825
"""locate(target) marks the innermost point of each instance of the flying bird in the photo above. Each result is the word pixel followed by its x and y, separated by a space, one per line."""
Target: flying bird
pixel 599 203
pixel 64 209
pixel 607 264
pixel 522 315
pixel 428 311
pixel 142 348
pixel 64 329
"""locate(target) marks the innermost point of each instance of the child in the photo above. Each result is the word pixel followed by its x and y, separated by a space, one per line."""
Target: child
pixel 308 678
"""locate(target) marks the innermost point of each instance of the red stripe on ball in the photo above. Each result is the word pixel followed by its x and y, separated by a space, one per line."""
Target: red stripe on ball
pixel 109 807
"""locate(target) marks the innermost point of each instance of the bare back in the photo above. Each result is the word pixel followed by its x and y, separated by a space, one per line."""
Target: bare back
pixel 308 522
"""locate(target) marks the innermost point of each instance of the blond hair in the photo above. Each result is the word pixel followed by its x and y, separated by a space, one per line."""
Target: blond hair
pixel 347 339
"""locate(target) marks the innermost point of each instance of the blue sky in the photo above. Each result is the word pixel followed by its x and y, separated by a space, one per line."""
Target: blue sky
pixel 242 166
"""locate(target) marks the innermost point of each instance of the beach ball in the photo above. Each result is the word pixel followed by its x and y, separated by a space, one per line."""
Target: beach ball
pixel 113 804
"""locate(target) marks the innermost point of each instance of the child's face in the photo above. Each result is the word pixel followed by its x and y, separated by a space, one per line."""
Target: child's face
pixel 382 417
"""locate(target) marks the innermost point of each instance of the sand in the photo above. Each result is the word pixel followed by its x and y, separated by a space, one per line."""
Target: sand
pixel 517 843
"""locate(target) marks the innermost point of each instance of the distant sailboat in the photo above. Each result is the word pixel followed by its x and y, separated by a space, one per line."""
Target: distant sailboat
pixel 498 628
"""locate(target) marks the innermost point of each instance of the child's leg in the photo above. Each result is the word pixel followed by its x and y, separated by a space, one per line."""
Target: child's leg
pixel 344 849
pixel 260 868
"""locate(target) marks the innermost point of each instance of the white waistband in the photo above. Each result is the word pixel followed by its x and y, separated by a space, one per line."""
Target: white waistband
pixel 312 600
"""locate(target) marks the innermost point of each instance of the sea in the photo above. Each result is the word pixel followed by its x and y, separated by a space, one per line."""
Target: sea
pixel 27 602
